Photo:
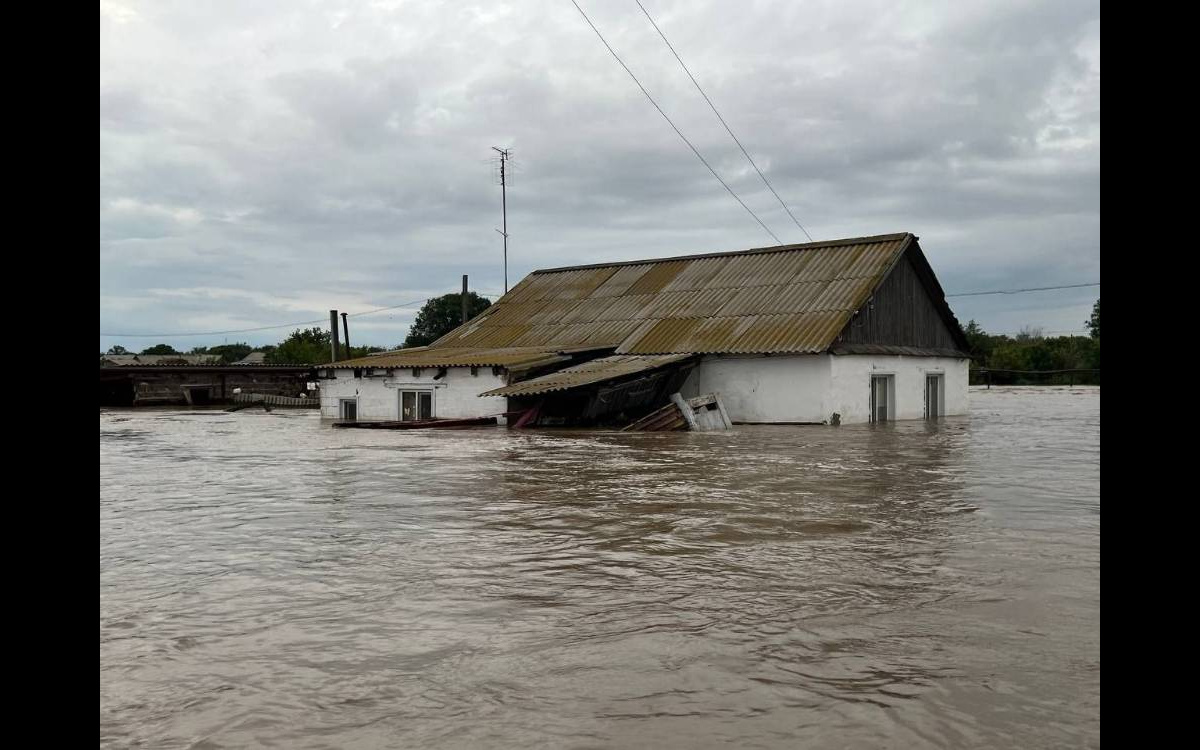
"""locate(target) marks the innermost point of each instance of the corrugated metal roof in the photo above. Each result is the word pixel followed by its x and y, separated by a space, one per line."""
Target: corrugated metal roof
pixel 786 299
pixel 605 368
pixel 792 298
pixel 447 356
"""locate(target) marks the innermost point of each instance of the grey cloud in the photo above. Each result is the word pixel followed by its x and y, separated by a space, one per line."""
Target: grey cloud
pixel 275 147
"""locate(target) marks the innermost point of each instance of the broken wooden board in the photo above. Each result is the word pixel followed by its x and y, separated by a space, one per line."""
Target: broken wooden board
pixel 251 399
pixel 700 414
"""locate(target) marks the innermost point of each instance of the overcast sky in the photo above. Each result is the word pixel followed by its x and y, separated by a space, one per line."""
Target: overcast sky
pixel 262 163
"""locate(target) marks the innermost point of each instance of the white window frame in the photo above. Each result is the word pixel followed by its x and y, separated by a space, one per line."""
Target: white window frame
pixel 342 408
pixel 417 390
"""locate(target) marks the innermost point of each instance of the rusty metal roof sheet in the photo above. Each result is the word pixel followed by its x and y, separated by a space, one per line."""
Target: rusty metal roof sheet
pixel 595 371
pixel 791 298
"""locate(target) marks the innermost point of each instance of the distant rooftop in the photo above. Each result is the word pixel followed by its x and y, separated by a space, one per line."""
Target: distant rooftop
pixel 128 360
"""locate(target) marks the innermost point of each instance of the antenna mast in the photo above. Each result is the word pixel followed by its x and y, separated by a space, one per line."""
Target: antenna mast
pixel 504 157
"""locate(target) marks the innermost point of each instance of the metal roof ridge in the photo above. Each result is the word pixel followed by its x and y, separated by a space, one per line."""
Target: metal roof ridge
pixel 874 239
pixel 693 291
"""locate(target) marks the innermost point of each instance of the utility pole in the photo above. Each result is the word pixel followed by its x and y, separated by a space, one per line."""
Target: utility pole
pixel 333 335
pixel 346 330
pixel 464 300
pixel 504 157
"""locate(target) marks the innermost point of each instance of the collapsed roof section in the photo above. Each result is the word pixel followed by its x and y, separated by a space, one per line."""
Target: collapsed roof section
pixel 588 373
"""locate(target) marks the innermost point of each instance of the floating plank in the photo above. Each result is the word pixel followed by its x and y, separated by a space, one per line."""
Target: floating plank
pixel 666 419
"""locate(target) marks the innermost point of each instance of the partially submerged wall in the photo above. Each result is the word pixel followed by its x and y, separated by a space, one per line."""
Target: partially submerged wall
pixel 813 387
pixel 765 389
pixel 455 396
pixel 851 380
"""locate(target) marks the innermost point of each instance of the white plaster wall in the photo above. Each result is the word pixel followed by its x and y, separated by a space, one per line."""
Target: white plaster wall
pixel 455 396
pixel 851 381
pixel 765 389
pixel 812 387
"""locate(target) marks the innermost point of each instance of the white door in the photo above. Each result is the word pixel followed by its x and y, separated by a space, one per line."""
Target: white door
pixel 933 396
pixel 880 407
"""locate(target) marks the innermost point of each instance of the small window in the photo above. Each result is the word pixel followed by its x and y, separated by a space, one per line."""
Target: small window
pixel 882 397
pixel 415 405
pixel 349 409
pixel 934 390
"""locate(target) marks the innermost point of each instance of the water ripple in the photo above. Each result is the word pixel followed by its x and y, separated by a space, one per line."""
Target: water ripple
pixel 266 581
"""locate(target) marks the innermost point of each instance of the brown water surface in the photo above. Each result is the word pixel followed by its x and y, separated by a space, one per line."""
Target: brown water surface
pixel 267 581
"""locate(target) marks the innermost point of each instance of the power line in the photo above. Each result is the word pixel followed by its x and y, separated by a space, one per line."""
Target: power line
pixel 1018 291
pixel 672 124
pixel 389 307
pixel 722 119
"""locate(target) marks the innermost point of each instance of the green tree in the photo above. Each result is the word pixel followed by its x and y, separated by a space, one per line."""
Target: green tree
pixel 160 349
pixel 1093 323
pixel 230 352
pixel 308 347
pixel 441 315
pixel 118 349
pixel 1029 333
pixel 979 344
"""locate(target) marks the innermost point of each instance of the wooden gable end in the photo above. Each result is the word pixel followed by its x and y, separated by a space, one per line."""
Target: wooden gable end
pixel 906 314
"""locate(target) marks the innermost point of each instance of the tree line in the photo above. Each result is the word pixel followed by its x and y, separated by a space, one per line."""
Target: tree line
pixel 1029 350
pixel 436 318
pixel 306 347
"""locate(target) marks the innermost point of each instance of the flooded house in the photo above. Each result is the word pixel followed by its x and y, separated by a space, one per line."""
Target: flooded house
pixel 834 332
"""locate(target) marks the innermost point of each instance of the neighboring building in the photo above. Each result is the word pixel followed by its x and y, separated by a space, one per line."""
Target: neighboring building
pixel 253 358
pixel 127 383
pixel 842 331
pixel 134 360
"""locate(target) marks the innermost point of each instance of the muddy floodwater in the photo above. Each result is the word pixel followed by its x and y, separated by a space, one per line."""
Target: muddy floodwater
pixel 269 581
